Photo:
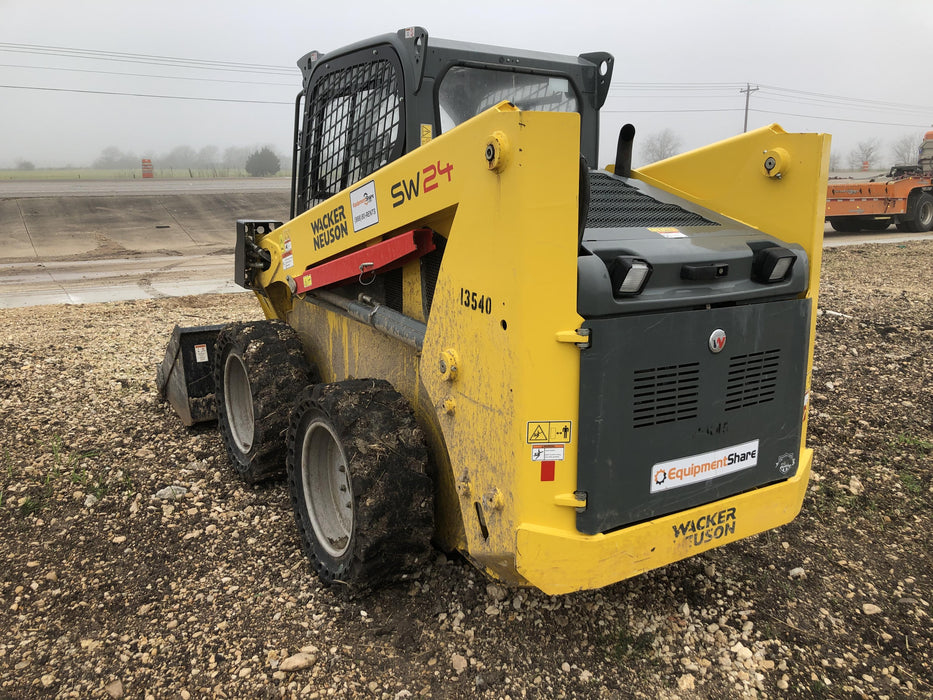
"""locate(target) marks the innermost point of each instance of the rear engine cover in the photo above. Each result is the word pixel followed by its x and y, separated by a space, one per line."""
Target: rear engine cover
pixel 683 408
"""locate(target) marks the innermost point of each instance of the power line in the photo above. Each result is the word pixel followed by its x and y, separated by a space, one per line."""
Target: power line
pixel 850 100
pixel 839 119
pixel 149 59
pixel 719 94
pixel 687 90
pixel 816 102
pixel 147 75
pixel 663 86
pixel 139 94
pixel 665 111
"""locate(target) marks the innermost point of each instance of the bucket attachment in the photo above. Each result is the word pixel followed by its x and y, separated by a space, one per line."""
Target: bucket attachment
pixel 185 376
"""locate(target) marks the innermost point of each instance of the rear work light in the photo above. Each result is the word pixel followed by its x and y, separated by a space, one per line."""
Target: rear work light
pixel 628 275
pixel 772 264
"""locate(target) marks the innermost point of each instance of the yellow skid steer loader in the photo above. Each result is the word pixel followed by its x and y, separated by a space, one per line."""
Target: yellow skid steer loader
pixel 570 375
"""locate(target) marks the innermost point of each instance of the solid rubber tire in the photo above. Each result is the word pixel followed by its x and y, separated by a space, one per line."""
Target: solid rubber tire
pixel 392 495
pixel 269 356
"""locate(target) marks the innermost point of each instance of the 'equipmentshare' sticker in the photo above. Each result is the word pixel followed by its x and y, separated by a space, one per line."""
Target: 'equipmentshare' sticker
pixel 363 207
pixel 709 465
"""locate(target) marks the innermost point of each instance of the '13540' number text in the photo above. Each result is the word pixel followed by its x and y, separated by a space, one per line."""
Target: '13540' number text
pixel 475 301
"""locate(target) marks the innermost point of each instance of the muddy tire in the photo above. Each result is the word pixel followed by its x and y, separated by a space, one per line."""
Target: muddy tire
pixel 362 499
pixel 259 369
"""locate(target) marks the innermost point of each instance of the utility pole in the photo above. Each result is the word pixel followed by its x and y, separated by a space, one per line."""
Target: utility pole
pixel 748 92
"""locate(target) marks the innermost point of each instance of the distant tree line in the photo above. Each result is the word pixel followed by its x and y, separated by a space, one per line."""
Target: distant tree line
pixel 186 157
pixel 904 150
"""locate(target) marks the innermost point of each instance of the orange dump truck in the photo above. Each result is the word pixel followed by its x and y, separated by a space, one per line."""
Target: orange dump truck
pixel 903 197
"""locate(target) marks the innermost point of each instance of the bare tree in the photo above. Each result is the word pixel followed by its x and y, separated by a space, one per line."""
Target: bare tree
pixel 179 157
pixel 660 145
pixel 235 157
pixel 207 157
pixel 112 157
pixel 905 149
pixel 865 152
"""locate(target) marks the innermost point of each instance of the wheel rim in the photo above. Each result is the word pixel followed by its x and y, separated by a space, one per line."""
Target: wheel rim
pixel 326 486
pixel 238 401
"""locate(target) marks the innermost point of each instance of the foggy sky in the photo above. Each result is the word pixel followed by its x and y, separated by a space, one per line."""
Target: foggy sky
pixel 856 50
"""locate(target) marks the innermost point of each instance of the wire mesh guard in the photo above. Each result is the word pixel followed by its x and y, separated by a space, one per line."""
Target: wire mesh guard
pixel 353 129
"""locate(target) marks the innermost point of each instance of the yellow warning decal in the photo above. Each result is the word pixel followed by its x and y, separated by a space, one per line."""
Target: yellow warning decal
pixel 426 133
pixel 549 431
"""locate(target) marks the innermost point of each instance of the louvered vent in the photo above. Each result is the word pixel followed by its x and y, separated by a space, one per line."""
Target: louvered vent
pixel 752 379
pixel 665 394
pixel 613 203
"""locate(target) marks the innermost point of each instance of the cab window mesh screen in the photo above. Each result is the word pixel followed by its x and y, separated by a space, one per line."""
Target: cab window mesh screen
pixel 353 128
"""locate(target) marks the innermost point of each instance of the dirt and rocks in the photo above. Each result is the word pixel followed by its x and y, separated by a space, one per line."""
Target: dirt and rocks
pixel 134 564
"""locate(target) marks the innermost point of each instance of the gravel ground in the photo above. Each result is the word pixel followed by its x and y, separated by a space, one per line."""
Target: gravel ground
pixel 135 565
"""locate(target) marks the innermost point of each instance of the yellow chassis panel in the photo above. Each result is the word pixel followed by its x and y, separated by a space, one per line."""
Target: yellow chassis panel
pixel 504 314
pixel 558 563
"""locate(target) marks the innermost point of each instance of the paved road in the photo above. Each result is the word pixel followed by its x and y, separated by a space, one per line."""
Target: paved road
pixel 90 281
pixel 82 282
pixel 831 238
pixel 85 188
pixel 80 242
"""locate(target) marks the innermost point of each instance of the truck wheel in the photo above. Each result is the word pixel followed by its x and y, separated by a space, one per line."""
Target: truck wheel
pixel 357 478
pixel 845 224
pixel 259 369
pixel 923 213
pixel 875 225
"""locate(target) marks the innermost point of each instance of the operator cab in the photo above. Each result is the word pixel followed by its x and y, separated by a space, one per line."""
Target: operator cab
pixel 372 102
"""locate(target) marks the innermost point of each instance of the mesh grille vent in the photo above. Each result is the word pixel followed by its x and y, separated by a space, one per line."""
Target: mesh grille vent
pixel 752 379
pixel 665 394
pixel 615 204
pixel 430 269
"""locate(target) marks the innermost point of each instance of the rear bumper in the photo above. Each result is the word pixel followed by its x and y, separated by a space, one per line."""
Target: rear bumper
pixel 560 562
